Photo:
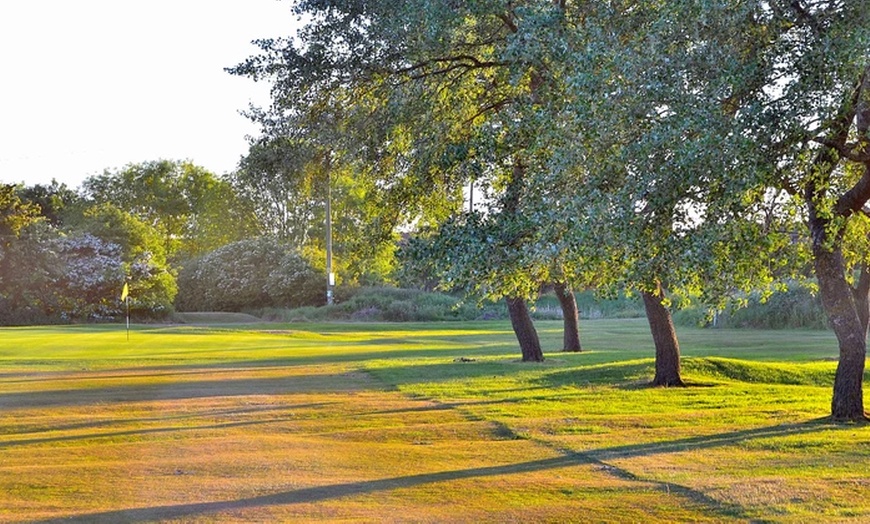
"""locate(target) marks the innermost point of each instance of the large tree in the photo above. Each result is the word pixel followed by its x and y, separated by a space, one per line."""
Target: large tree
pixel 818 132
pixel 724 100
pixel 432 95
pixel 289 178
pixel 59 204
pixel 140 253
pixel 655 166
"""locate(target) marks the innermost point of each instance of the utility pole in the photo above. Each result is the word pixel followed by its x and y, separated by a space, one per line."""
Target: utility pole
pixel 330 276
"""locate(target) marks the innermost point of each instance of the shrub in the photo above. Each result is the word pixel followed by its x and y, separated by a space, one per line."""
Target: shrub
pixel 794 308
pixel 398 305
pixel 590 306
pixel 249 274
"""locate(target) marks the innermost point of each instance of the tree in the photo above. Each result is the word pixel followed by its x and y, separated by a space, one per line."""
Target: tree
pixel 280 177
pixel 287 177
pixel 139 249
pixel 649 144
pixel 779 91
pixel 88 279
pixel 570 317
pixel 193 210
pixel 458 71
pixel 57 203
pixel 26 269
pixel 790 82
pixel 15 214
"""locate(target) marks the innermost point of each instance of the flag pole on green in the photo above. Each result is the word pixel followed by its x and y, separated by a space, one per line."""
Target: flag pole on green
pixel 125 297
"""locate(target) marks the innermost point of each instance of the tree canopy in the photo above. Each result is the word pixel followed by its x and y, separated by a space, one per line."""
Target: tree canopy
pixel 651 142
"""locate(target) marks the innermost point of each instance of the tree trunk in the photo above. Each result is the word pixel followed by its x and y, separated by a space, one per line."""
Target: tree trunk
pixel 524 329
pixel 861 293
pixel 665 338
pixel 570 317
pixel 845 319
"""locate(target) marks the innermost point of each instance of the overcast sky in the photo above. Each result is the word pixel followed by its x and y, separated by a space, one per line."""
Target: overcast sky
pixel 89 85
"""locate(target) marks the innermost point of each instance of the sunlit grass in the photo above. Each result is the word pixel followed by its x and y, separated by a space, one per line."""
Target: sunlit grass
pixel 420 422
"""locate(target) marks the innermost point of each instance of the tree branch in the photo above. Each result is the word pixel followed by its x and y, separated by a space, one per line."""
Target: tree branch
pixel 456 62
pixel 806 17
pixel 854 151
pixel 854 199
pixel 508 22
pixel 495 106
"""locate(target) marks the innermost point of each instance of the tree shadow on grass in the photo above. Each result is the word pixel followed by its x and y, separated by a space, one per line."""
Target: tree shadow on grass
pixel 714 441
pixel 184 390
pixel 95 426
pixel 331 492
pixel 598 458
pixel 630 374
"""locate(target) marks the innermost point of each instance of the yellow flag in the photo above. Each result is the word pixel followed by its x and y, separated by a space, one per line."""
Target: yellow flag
pixel 125 292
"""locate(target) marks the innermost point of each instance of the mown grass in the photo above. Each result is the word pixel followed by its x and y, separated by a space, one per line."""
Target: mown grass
pixel 420 422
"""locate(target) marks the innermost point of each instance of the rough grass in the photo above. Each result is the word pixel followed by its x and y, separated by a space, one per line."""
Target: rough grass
pixel 420 423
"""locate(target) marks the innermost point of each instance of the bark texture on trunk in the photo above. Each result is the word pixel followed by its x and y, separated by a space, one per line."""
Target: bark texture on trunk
pixel 861 293
pixel 661 325
pixel 846 307
pixel 570 317
pixel 524 329
pixel 845 319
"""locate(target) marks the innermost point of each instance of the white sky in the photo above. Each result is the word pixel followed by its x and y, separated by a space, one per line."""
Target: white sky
pixel 89 85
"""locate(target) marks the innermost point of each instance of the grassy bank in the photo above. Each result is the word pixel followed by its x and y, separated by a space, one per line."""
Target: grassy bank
pixel 422 422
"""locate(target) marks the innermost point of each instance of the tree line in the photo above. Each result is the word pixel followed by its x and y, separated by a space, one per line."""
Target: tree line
pixel 179 236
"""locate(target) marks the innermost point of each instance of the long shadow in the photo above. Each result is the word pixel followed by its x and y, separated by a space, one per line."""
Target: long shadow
pixel 712 441
pixel 181 391
pixel 141 432
pixel 613 373
pixel 568 458
pixel 324 493
pixel 324 355
pixel 100 424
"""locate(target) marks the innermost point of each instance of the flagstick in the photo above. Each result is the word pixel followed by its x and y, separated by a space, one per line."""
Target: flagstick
pixel 127 299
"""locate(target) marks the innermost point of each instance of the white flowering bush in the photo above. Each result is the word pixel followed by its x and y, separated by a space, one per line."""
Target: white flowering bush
pixel 89 276
pixel 48 276
pixel 142 255
pixel 252 273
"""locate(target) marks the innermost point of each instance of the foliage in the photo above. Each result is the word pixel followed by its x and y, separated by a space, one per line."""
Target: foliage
pixel 193 210
pixel 289 178
pixel 248 274
pixel 90 277
pixel 390 305
pixel 281 178
pixel 596 132
pixel 593 305
pixel 15 214
pixel 797 307
pixel 55 276
pixel 480 256
pixel 59 204
pixel 141 251
pixel 26 270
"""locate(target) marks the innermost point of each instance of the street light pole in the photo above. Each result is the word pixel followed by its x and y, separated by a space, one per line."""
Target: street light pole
pixel 330 276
